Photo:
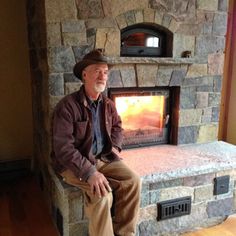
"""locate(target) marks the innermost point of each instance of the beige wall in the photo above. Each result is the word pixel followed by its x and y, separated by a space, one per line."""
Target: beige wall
pixel 15 89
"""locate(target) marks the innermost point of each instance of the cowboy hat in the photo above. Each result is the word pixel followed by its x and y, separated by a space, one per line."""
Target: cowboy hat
pixel 93 57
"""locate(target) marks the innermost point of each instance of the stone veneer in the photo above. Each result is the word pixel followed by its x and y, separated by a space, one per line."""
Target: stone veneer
pixel 62 31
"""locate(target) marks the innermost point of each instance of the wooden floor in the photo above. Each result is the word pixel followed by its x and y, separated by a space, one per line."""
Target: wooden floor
pixel 23 211
pixel 227 228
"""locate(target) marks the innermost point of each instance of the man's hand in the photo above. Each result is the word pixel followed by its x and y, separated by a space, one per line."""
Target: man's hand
pixel 99 184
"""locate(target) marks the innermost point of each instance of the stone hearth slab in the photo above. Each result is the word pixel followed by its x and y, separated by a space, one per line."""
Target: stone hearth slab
pixel 165 162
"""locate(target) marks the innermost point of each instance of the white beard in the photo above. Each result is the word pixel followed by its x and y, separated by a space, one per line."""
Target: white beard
pixel 99 88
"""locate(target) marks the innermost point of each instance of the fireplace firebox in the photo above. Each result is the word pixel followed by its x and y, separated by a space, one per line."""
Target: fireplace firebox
pixel 147 114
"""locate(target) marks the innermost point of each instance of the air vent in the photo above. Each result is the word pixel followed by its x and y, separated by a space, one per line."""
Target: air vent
pixel 173 208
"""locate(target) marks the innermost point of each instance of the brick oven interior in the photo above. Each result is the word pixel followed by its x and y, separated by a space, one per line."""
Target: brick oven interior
pixel 183 170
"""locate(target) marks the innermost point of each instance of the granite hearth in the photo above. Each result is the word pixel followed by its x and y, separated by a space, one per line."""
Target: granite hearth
pixel 167 172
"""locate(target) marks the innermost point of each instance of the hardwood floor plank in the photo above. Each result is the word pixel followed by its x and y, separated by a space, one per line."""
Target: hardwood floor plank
pixel 23 210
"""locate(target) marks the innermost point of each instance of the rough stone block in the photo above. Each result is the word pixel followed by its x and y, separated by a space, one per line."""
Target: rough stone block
pixel 107 22
pixel 220 24
pixel 53 35
pixel 52 11
pixel 198 180
pixel 216 63
pixel 209 44
pixel 130 18
pixel 217 83
pixel 188 134
pixel 187 97
pixel 223 5
pixel 158 17
pixel 214 99
pixel 138 16
pixel 149 15
pixel 72 87
pixel 221 207
pixel 68 10
pixel 56 84
pixel 177 77
pixel 164 74
pixel 197 70
pixel 201 99
pixel 60 59
pixel 210 5
pixel 175 192
pixel 118 7
pixel 114 79
pixel 215 114
pixel 121 21
pixel 207 133
pixel 166 20
pixel 203 193
pixel 109 39
pixel 75 203
pixel 70 77
pixel 77 26
pixel 90 9
pixel 72 39
pixel 128 76
pixel 146 79
pixel 183 43
pixel 189 117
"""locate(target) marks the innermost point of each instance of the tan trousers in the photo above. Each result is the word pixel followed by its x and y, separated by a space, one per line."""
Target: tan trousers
pixel 125 186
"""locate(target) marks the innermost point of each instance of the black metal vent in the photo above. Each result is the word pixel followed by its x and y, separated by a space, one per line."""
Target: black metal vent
pixel 173 208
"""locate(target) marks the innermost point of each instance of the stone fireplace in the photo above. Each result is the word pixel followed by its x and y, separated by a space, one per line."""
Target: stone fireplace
pixel 186 72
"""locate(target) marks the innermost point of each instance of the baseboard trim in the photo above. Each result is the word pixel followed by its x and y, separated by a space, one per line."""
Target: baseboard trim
pixel 14 169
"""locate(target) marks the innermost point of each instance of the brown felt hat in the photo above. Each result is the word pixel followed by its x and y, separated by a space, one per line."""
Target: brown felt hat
pixel 93 57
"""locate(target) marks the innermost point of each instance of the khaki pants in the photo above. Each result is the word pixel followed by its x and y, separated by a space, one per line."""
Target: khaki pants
pixel 125 186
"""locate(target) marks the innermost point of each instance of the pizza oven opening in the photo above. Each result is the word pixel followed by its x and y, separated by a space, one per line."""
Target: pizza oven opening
pixel 146 40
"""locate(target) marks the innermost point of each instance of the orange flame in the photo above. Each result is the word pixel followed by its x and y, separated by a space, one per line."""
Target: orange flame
pixel 141 112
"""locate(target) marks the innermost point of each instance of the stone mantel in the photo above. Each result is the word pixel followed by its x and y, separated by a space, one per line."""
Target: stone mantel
pixel 166 162
pixel 155 60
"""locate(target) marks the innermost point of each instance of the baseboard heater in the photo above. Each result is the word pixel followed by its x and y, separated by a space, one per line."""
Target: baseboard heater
pixel 173 208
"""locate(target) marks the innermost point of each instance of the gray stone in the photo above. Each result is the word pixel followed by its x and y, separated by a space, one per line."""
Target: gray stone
pixel 128 76
pixel 199 81
pixel 56 84
pixel 80 229
pixel 187 97
pixel 209 44
pixel 215 114
pixel 90 9
pixel 217 83
pixel 164 74
pixel 189 117
pixel 166 184
pixel 60 59
pixel 189 29
pixel 114 79
pixel 130 17
pixel 166 21
pixel 75 203
pixel 70 77
pixel 220 208
pixel 107 22
pixel 183 43
pixel 223 5
pixel 203 193
pixel 214 99
pixel 198 180
pixel 201 99
pixel 79 52
pixel 177 77
pixel 220 24
pixel 188 134
pixel 73 26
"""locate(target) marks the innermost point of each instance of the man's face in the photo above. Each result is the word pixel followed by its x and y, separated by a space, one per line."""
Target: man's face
pixel 95 77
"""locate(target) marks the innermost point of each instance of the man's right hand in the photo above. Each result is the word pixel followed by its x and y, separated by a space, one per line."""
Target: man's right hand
pixel 99 184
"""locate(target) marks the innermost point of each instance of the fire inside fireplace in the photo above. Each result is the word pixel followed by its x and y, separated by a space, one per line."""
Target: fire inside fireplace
pixel 145 115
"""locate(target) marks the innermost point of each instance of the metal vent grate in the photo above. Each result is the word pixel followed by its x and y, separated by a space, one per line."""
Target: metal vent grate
pixel 173 208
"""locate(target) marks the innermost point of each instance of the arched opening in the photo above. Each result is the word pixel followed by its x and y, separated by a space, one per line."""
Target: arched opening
pixel 146 40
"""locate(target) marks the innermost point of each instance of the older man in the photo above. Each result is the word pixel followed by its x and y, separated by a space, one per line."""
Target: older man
pixel 87 139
